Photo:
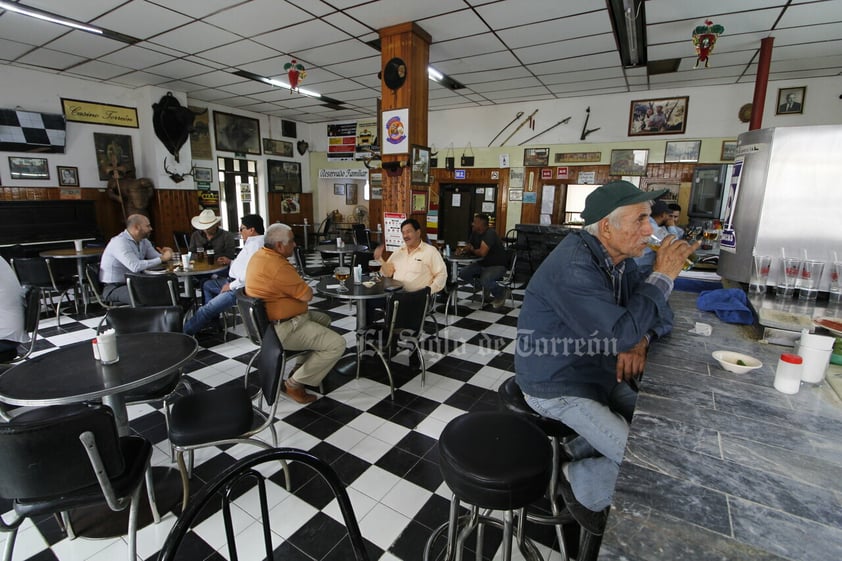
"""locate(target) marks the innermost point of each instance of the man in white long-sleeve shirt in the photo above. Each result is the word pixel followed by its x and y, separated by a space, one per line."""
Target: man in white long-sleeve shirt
pixel 130 251
pixel 219 293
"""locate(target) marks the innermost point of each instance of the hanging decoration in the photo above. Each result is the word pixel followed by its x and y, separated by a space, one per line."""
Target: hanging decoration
pixel 296 74
pixel 704 39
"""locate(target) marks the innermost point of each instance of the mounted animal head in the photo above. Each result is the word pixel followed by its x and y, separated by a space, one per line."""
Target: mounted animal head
pixel 174 175
pixel 172 123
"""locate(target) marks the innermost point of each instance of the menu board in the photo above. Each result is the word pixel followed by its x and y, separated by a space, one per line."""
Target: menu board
pixel 392 224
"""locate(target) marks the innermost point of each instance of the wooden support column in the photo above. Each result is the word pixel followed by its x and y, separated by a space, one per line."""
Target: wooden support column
pixel 411 44
pixel 760 83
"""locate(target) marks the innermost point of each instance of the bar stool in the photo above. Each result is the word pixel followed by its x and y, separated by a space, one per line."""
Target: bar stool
pixel 512 400
pixel 494 461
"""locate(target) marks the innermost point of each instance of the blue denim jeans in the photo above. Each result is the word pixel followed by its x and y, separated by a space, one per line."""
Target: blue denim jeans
pixel 604 429
pixel 210 311
pixel 488 277
pixel 212 287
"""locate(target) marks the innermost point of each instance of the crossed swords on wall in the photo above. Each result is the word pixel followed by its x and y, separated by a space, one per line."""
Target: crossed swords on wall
pixel 585 130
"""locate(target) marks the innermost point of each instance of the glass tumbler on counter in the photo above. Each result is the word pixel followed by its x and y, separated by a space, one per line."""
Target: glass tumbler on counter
pixel 760 273
pixel 836 282
pixel 790 267
pixel 809 276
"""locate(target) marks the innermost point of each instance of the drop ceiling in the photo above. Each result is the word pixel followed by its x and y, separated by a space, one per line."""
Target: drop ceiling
pixel 502 51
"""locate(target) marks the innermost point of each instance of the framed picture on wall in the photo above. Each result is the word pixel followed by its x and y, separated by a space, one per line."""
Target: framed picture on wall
pixel 658 116
pixel 682 151
pixel 284 177
pixel 28 168
pixel 420 160
pixel 791 101
pixel 350 193
pixel 650 184
pixel 235 133
pixel 203 175
pixel 418 202
pixel 729 150
pixel 534 157
pixel 68 176
pixel 629 162
pixel 277 148
pixel 339 189
pixel 113 152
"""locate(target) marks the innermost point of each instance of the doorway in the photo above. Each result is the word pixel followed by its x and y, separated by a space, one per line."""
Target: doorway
pixel 239 190
pixel 457 206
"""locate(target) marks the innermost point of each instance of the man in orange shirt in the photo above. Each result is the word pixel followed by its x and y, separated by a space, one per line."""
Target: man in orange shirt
pixel 271 277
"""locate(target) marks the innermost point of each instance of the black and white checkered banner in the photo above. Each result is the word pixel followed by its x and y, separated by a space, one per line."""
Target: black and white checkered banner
pixel 25 131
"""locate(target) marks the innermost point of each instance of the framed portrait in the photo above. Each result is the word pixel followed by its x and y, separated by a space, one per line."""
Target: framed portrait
pixel 418 202
pixel 629 162
pixel 339 189
pixel 535 157
pixel 658 116
pixel 682 151
pixel 235 133
pixel 350 193
pixel 791 101
pixel 515 194
pixel 68 176
pixel 204 175
pixel 28 168
pixel 420 159
pixel 277 148
pixel 113 149
pixel 284 177
pixel 729 150
pixel 650 184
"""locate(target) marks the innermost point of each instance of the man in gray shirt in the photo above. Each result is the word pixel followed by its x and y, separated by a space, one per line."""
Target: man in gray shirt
pixel 130 251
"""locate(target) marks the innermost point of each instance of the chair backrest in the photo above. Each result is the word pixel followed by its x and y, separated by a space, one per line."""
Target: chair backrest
pixel 407 311
pixel 270 364
pixel 219 490
pixel 34 271
pixel 152 290
pixel 362 258
pixel 43 457
pixel 253 312
pixel 148 319
pixel 300 261
pixel 361 235
pixel 182 241
pixel 31 309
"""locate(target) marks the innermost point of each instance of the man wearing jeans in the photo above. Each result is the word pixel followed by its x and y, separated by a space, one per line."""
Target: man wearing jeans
pixel 271 277
pixel 220 294
pixel 484 242
pixel 587 320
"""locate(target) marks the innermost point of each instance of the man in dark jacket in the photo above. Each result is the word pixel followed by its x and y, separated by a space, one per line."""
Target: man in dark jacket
pixel 587 320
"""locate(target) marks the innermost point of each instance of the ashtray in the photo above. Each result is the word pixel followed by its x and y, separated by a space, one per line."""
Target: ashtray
pixel 737 363
pixel 368 283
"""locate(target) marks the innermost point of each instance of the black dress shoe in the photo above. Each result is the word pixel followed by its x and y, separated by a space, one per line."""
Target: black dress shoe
pixel 592 521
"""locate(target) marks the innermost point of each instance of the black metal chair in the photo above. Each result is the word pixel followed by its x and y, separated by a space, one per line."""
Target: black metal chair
pixel 225 488
pixel 37 271
pixel 54 459
pixel 31 318
pixel 95 286
pixel 361 236
pixel 324 233
pixel 156 290
pixel 226 415
pixel 405 315
pixel 308 273
pixel 255 320
pixel 362 258
pixel 508 281
pixel 182 241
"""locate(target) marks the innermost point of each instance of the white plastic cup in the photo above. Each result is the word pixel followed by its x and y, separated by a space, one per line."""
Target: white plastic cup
pixel 760 273
pixel 77 245
pixel 790 267
pixel 836 282
pixel 808 279
pixel 185 261
pixel 815 364
pixel 789 372
pixel 107 343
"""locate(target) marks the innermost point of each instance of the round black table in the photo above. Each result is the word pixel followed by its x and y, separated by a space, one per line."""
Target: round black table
pixel 71 375
pixel 331 250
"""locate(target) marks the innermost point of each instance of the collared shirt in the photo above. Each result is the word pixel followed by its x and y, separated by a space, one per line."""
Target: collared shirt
pixel 125 255
pixel 271 277
pixel 11 312
pixel 237 270
pixel 420 268
pixel 659 280
pixel 223 243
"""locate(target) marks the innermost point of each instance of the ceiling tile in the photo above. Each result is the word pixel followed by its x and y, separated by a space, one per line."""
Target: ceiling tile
pixel 601 60
pixel 466 46
pixel 812 14
pixel 10 50
pixel 178 69
pixel 195 37
pixel 235 54
pixel 85 44
pixel 567 49
pixel 658 11
pixel 307 35
pixel 352 49
pixel 47 58
pixel 99 70
pixel 15 27
pixel 592 23
pixel 258 16
pixel 80 10
pixel 201 8
pixel 453 26
pixel 136 57
pixel 744 22
pixel 141 19
pixel 510 13
pixel 384 13
pixel 348 24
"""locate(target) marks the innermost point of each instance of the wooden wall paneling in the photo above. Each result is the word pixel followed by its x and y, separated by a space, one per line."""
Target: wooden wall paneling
pixel 276 214
pixel 174 208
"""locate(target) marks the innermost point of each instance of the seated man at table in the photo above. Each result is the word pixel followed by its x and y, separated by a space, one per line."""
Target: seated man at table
pixel 12 331
pixel 130 251
pixel 672 222
pixel 658 220
pixel 209 235
pixel 271 277
pixel 484 242
pixel 587 319
pixel 220 292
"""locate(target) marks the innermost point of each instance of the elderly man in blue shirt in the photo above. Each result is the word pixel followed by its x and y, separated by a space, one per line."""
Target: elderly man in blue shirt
pixel 130 251
pixel 587 320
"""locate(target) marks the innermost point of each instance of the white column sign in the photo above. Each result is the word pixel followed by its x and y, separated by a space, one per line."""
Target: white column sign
pixel 392 224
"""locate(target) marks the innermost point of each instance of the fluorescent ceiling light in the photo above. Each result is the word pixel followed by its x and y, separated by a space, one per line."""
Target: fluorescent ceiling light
pixel 53 18
pixel 302 91
pixel 434 74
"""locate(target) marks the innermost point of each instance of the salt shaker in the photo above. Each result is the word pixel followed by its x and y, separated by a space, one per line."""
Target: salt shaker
pixel 788 374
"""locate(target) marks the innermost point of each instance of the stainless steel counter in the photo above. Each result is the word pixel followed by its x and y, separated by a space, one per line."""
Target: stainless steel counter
pixel 721 466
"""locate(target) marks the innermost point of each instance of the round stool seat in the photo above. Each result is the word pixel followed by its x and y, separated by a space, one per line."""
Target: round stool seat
pixel 512 400
pixel 495 460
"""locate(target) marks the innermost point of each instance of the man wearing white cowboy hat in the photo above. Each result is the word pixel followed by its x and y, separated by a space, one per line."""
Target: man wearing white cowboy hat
pixel 209 235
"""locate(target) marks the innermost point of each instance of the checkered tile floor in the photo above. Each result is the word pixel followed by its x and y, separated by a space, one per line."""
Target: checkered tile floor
pixel 385 451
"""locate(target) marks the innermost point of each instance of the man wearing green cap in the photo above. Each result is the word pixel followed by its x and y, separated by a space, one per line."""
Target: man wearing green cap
pixel 588 317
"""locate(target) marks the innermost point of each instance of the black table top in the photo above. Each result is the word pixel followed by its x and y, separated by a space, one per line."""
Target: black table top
pixel 70 374
pixel 358 291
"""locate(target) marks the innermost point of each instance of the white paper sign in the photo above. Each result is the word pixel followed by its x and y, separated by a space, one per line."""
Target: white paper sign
pixel 488 208
pixel 456 200
pixel 392 223
pixel 547 199
pixel 395 133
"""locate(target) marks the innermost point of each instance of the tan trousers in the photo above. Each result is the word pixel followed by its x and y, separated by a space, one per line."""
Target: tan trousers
pixel 311 332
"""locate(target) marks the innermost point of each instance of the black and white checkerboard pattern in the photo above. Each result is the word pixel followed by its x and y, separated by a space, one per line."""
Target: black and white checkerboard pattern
pixel 385 451
pixel 25 131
